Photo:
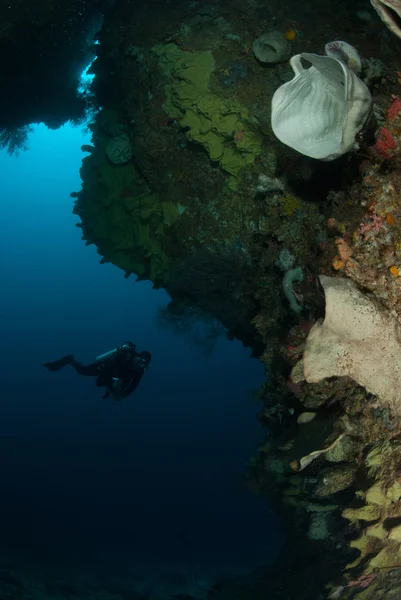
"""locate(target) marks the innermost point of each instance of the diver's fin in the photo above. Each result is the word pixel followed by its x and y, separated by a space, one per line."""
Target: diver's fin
pixel 56 365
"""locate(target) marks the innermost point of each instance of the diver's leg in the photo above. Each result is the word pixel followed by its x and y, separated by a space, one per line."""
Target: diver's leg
pixel 92 370
pixel 56 365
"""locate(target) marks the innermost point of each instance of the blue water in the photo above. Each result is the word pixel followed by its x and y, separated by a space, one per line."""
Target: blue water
pixel 87 484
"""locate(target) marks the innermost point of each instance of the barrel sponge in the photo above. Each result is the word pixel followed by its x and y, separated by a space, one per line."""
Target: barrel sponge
pixel 271 47
pixel 358 338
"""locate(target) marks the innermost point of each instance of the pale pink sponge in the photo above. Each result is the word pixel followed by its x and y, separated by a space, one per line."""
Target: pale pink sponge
pixel 358 338
pixel 345 53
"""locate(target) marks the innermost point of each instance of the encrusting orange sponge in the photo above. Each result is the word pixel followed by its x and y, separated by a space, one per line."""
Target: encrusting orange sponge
pixel 290 34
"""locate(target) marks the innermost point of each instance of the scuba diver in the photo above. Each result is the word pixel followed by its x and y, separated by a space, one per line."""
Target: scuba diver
pixel 119 370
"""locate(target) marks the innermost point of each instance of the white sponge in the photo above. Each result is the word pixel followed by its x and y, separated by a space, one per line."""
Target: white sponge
pixel 322 109
pixel 357 338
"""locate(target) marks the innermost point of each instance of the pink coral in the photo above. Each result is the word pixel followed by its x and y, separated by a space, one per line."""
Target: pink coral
pixel 373 224
pixel 385 142
pixel 363 581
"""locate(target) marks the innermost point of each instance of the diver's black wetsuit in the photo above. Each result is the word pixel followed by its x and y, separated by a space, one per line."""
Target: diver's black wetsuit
pixel 120 374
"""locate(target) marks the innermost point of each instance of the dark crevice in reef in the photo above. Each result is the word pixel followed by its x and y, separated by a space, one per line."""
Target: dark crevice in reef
pixel 44 46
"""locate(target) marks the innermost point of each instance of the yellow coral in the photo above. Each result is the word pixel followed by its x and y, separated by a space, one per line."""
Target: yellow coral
pixel 337 263
pixel 390 219
pixel 376 495
pixel 290 204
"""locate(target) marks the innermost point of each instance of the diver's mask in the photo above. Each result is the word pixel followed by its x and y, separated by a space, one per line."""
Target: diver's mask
pixel 142 360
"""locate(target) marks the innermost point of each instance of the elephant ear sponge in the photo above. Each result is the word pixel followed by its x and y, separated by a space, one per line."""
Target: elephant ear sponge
pixel 357 338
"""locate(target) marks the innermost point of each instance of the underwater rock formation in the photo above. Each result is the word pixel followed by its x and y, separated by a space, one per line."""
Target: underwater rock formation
pixel 204 201
pixel 185 184
pixel 120 213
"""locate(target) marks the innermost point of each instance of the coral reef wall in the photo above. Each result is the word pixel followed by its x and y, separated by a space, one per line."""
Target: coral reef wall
pixel 186 185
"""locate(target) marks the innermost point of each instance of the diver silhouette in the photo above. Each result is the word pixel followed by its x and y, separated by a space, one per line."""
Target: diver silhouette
pixel 119 370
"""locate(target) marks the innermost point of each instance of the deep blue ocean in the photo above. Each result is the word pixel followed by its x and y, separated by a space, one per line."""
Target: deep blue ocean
pixel 149 487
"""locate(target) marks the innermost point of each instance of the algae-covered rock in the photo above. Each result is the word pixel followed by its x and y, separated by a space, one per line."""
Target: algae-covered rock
pixel 119 150
pixel 122 216
pixel 335 480
pixel 395 533
pixel 389 556
pixel 364 513
pixel 376 495
pixel 394 492
pixel 377 531
pixel 344 451
pixel 366 545
pixel 319 526
pixel 376 455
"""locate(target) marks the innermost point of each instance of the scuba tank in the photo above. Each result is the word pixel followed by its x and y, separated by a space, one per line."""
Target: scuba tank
pixel 113 353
